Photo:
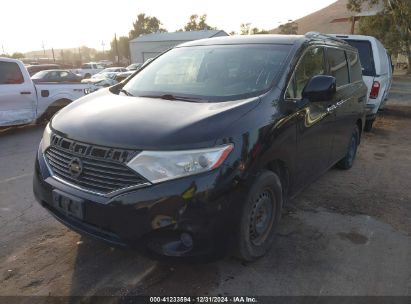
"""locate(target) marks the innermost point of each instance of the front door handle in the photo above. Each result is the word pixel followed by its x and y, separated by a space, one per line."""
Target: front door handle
pixel 25 93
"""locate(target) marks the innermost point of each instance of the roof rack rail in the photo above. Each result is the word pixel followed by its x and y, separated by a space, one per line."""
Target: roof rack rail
pixel 323 36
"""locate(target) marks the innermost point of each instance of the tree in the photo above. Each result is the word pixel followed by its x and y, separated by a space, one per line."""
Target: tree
pixel 122 46
pixel 380 27
pixel 257 31
pixel 87 53
pixel 145 25
pixel 17 55
pixel 103 56
pixel 197 23
pixel 289 28
pixel 394 20
pixel 245 28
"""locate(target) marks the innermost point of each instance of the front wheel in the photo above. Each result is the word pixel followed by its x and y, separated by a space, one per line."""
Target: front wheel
pixel 348 160
pixel 259 217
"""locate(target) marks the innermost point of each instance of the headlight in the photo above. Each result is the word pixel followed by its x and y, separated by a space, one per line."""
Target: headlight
pixel 158 166
pixel 45 143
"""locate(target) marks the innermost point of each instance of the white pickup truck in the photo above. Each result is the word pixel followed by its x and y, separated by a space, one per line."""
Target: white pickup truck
pixel 23 102
pixel 89 69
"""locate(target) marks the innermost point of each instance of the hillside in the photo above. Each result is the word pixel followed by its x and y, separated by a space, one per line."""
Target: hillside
pixel 320 21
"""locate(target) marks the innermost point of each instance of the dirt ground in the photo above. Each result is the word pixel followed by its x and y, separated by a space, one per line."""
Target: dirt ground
pixel 349 233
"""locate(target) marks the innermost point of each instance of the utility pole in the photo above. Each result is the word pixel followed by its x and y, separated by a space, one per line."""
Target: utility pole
pixel 52 50
pixel 116 44
pixel 103 44
pixel 2 46
pixel 79 53
pixel 44 50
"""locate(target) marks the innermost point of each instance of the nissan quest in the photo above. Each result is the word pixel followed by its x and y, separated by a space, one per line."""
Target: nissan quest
pixel 198 151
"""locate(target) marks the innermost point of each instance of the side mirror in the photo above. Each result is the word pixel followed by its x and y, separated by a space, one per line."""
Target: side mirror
pixel 320 88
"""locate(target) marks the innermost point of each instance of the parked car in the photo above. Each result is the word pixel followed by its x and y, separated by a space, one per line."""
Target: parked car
pixel 89 69
pixel 200 150
pixel 102 80
pixel 377 70
pixel 134 66
pixel 114 70
pixel 33 69
pixel 55 76
pixel 23 102
pixel 123 75
pixel 105 63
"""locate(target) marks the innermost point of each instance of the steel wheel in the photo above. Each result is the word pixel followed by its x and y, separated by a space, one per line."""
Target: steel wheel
pixel 261 218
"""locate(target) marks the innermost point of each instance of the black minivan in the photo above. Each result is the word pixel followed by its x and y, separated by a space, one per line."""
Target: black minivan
pixel 199 150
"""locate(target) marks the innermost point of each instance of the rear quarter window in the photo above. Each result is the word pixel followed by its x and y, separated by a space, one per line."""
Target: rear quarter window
pixel 10 73
pixel 355 66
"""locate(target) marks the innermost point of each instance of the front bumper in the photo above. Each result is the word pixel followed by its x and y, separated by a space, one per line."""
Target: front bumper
pixel 155 217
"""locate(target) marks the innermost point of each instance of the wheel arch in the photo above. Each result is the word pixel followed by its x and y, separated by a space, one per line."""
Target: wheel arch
pixel 359 124
pixel 280 168
pixel 53 108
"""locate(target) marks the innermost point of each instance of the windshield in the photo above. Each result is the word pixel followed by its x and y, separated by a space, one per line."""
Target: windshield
pixel 366 58
pixel 213 73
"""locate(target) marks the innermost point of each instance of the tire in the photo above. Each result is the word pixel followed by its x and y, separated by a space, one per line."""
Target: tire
pixel 87 76
pixel 259 217
pixel 368 125
pixel 45 118
pixel 348 160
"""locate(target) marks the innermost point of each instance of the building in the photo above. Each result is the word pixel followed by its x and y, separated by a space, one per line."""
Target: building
pixel 151 45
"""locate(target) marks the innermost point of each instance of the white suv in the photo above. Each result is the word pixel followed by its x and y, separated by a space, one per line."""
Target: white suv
pixel 376 71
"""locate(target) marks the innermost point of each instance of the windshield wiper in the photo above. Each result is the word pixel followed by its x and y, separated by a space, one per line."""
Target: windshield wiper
pixel 126 92
pixel 173 97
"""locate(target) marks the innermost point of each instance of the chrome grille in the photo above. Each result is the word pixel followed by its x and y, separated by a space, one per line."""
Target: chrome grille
pixel 103 169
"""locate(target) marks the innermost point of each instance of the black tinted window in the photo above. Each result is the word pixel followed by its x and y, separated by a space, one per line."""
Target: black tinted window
pixel 338 66
pixel 366 58
pixel 355 66
pixel 310 65
pixel 10 73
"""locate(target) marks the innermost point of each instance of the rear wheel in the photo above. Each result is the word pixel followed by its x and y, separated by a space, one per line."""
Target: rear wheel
pixel 348 160
pixel 259 217
pixel 368 125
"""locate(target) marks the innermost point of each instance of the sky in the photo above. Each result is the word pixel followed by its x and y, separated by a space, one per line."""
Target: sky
pixel 26 25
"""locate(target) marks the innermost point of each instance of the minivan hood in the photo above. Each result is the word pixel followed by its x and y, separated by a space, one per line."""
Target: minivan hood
pixel 107 119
